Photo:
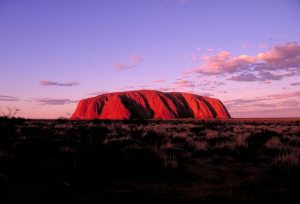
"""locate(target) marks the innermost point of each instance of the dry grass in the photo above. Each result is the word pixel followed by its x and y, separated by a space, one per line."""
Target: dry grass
pixel 229 145
pixel 120 139
pixel 170 161
pixel 288 159
pixel 6 154
pixel 66 149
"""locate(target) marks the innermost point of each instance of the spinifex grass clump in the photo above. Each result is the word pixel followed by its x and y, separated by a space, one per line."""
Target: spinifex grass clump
pixel 288 158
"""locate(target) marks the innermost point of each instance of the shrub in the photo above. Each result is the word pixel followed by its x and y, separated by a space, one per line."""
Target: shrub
pixel 201 146
pixel 10 112
pixel 273 143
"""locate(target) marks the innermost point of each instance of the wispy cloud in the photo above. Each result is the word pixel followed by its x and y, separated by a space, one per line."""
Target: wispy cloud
pixel 243 77
pixel 8 98
pixel 245 45
pixel 295 84
pixel 50 101
pixel 167 88
pixel 180 87
pixel 211 82
pixel 159 80
pixel 264 76
pixel 264 46
pixel 97 93
pixel 121 67
pixel 135 60
pixel 144 86
pixel 207 94
pixel 184 83
pixel 262 112
pixel 280 38
pixel 195 57
pixel 183 1
pixel 51 83
pixel 284 95
pixel 179 84
pixel 272 100
pixel 268 97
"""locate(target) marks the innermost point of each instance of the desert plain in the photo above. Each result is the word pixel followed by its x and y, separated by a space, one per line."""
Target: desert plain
pixel 150 160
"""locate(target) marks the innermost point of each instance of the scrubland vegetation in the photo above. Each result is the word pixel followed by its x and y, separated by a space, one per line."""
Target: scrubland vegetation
pixel 153 160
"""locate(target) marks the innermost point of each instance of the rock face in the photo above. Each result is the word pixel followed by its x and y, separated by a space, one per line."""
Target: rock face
pixel 149 104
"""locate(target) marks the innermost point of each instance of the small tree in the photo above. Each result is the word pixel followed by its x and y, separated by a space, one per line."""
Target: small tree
pixel 10 113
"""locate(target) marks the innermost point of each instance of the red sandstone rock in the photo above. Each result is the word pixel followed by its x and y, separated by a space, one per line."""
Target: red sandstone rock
pixel 147 104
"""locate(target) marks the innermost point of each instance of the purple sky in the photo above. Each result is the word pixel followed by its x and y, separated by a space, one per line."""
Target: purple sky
pixel 244 52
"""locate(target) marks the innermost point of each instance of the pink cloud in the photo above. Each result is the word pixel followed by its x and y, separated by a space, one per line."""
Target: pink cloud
pixel 195 57
pixel 281 52
pixel 198 49
pixel 280 57
pixel 221 63
pixel 210 49
pixel 144 86
pixel 265 46
pixel 183 81
pixel 250 68
pixel 137 58
pixel 51 83
pixel 244 46
pixel 267 81
pixel 120 67
pixel 159 80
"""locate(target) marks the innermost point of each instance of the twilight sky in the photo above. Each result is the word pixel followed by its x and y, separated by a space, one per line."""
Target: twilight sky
pixel 244 52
